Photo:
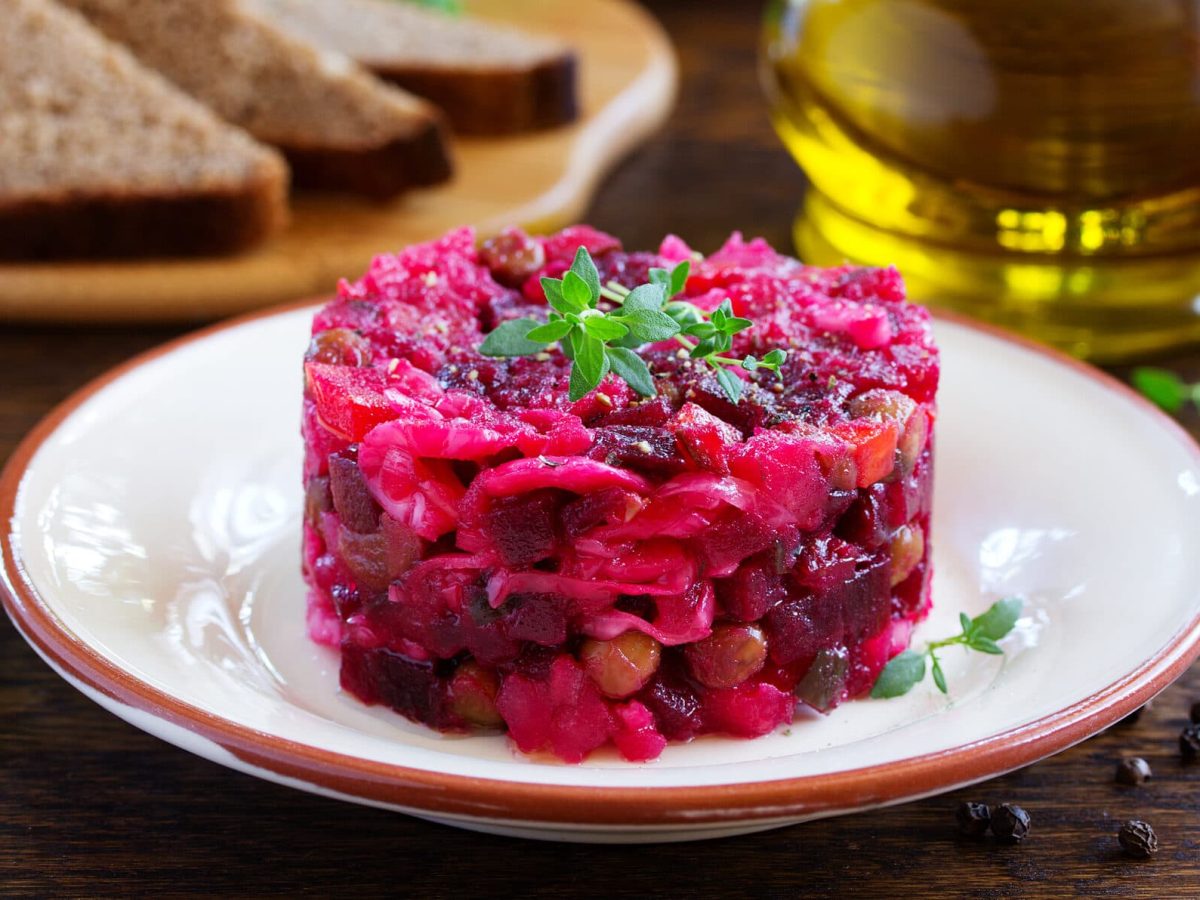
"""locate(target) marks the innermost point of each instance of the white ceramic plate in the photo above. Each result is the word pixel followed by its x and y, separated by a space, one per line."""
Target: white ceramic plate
pixel 151 556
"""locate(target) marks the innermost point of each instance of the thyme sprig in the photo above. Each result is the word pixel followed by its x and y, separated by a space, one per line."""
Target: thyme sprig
pixel 981 634
pixel 599 341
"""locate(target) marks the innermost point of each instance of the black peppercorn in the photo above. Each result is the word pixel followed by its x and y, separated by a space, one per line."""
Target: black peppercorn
pixel 1189 743
pixel 1194 713
pixel 1132 770
pixel 1010 823
pixel 973 818
pixel 1138 839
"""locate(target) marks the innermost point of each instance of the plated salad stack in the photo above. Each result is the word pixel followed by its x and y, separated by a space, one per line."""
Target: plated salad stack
pixel 592 496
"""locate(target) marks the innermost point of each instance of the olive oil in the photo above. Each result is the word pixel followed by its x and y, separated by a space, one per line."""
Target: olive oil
pixel 1032 162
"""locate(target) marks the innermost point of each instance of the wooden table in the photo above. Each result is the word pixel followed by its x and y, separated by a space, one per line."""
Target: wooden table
pixel 91 806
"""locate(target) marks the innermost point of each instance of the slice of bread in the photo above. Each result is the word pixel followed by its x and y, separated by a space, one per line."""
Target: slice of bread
pixel 487 78
pixel 340 128
pixel 100 157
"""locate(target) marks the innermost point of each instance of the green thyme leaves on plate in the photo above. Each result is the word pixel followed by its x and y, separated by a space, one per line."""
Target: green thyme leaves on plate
pixel 1165 388
pixel 599 341
pixel 899 675
pixel 980 634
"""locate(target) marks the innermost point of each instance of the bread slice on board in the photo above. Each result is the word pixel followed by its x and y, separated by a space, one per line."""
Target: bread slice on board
pixel 100 157
pixel 340 128
pixel 487 78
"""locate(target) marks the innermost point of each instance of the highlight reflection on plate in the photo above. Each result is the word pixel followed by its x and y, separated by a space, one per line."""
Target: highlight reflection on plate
pixel 151 556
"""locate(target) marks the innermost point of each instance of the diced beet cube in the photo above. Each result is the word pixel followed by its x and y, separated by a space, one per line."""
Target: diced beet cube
pixel 524 527
pixel 610 507
pixel 800 627
pixel 379 676
pixel 724 544
pixel 751 591
pixel 652 412
pixel 644 448
pixel 538 618
pixel 675 704
pixel 864 597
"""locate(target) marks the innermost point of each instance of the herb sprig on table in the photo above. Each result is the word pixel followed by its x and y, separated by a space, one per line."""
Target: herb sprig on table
pixel 981 634
pixel 599 341
pixel 1166 389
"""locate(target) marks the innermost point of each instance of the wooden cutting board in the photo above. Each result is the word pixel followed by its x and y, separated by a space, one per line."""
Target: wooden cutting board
pixel 540 181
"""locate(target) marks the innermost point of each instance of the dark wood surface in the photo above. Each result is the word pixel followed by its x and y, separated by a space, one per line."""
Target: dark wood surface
pixel 90 806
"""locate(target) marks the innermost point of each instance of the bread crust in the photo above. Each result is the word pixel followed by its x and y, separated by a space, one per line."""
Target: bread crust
pixel 495 101
pixel 379 172
pixel 128 225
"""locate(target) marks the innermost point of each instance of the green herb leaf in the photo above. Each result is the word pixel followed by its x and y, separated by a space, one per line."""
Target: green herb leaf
pixel 1166 389
pixel 730 383
pixel 939 677
pixel 734 324
pixel 591 364
pixel 598 341
pixel 899 675
pixel 450 7
pixel 980 634
pixel 650 325
pixel 551 331
pixel 644 298
pixel 511 338
pixel 633 369
pixel 553 289
pixel 985 645
pixel 604 328
pixel 686 314
pixel 630 342
pixel 576 294
pixel 679 277
pixel 585 270
pixel 998 621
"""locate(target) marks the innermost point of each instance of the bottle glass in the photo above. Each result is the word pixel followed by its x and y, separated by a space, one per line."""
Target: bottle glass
pixel 1031 162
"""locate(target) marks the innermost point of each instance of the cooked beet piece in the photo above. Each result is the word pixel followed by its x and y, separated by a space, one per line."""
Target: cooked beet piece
pixel 617 570
pixel 524 528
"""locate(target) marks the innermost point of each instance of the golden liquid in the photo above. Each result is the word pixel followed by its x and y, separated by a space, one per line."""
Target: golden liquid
pixel 1033 162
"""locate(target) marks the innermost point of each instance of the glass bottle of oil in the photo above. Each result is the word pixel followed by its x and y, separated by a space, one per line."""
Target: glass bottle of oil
pixel 1031 162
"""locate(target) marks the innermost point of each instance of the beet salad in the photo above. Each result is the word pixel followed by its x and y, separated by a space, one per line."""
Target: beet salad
pixel 695 545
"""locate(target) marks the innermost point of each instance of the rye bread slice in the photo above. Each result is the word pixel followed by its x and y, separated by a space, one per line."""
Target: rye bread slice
pixel 487 78
pixel 100 157
pixel 340 128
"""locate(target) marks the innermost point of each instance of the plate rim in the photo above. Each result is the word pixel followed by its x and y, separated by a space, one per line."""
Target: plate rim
pixel 439 793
